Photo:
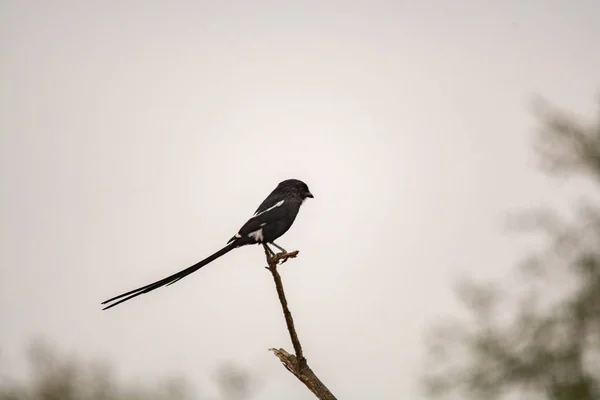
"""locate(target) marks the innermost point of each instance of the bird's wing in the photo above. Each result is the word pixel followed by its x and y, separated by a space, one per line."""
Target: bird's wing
pixel 272 214
pixel 269 202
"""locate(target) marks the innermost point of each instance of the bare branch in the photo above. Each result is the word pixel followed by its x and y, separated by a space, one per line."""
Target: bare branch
pixel 296 364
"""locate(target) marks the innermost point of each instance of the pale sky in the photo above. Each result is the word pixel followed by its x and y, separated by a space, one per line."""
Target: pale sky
pixel 138 136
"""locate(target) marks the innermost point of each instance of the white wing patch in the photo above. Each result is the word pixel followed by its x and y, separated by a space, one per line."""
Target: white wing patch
pixel 278 204
pixel 257 235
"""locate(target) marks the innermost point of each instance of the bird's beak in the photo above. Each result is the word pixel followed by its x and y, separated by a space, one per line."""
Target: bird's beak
pixel 310 195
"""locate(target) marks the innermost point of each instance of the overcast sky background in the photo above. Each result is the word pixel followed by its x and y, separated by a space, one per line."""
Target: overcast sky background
pixel 138 136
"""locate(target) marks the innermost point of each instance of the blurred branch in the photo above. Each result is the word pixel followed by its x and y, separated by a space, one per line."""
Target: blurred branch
pixel 564 143
pixel 296 364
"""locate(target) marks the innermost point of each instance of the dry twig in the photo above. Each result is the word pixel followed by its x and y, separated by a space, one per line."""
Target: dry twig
pixel 295 363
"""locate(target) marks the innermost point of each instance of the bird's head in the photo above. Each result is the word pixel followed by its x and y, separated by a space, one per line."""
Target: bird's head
pixel 296 188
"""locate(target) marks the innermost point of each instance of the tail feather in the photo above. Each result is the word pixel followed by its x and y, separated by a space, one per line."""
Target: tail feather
pixel 170 279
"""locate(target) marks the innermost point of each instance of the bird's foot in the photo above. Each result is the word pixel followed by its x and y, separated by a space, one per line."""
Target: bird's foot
pixel 282 252
pixel 273 259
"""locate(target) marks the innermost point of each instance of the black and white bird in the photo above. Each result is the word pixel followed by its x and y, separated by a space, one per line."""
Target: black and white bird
pixel 273 218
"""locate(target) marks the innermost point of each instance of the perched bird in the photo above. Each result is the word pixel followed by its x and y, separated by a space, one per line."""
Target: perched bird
pixel 273 218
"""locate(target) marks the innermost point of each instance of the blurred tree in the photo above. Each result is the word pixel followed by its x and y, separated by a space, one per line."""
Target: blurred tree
pixel 56 377
pixel 538 337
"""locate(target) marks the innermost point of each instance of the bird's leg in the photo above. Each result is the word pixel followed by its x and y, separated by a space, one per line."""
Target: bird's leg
pixel 283 251
pixel 271 252
pixel 279 247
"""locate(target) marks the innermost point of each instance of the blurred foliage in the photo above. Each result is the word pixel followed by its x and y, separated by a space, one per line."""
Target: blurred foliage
pixel 234 383
pixel 55 376
pixel 537 337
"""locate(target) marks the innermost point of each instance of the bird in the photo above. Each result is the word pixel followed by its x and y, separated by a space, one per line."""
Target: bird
pixel 273 217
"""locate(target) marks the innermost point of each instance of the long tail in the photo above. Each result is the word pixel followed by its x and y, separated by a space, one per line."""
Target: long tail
pixel 170 279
